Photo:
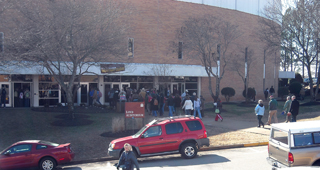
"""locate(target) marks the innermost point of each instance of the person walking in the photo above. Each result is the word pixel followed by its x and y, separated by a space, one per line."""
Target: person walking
pixel 217 110
pixel 271 90
pixel 273 104
pixel 197 104
pixel 294 109
pixel 177 104
pixel 171 105
pixel 266 93
pixel 27 98
pixel 183 95
pixel 128 159
pixel 259 110
pixel 188 106
pixel 286 109
pixel 3 97
pixel 154 105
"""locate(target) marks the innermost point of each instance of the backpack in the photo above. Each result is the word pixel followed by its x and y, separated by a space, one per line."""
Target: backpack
pixel 155 102
pixel 149 98
pixel 21 95
pixel 123 97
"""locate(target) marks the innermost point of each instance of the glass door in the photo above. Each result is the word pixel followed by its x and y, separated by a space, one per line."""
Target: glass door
pixel 125 85
pixel 174 88
pixel 8 99
pixel 83 93
pixel 107 88
pixel 116 86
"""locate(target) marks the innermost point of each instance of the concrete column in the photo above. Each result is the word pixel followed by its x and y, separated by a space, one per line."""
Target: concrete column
pixel 35 81
pixel 101 88
pixel 199 86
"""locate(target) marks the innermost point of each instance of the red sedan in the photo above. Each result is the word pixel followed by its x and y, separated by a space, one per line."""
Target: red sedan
pixel 35 153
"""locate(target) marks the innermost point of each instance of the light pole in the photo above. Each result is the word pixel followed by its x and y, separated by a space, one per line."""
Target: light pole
pixel 264 69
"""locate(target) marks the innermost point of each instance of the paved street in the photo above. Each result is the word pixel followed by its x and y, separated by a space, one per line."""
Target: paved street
pixel 249 158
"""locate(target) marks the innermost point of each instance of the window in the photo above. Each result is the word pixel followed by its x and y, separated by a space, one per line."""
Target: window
pixel 316 137
pixel 41 147
pixel 174 128
pixel 194 125
pixel 130 47
pixel 180 50
pixel 280 136
pixel 153 131
pixel 19 149
pixel 302 139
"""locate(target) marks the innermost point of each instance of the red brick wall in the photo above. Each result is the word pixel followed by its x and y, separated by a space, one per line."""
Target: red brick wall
pixel 154 23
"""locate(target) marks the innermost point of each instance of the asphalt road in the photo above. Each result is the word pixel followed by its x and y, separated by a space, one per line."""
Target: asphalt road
pixel 248 158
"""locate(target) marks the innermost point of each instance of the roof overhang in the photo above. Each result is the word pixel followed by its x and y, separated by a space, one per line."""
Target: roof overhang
pixel 129 69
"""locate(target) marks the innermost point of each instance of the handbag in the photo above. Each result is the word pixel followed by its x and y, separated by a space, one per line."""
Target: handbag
pixel 217 111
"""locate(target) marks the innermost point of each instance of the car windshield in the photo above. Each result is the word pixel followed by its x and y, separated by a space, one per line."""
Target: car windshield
pixel 140 131
pixel 48 143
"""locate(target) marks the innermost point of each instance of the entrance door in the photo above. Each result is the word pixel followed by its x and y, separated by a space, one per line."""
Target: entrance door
pixel 174 88
pixel 107 88
pixel 22 88
pixel 125 85
pixel 116 86
pixel 83 93
pixel 7 87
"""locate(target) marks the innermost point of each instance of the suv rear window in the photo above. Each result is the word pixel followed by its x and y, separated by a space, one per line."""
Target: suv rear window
pixel 194 125
pixel 173 128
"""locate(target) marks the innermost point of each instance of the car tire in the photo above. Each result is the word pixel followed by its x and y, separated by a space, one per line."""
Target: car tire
pixel 47 163
pixel 188 150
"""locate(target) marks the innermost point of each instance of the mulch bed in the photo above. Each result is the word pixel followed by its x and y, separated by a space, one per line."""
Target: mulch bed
pixel 75 122
pixel 77 109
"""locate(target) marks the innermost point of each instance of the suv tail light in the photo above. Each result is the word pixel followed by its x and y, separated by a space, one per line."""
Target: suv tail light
pixel 205 134
pixel 290 158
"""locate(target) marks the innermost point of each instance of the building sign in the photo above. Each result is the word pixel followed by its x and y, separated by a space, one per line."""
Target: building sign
pixel 134 109
pixel 111 68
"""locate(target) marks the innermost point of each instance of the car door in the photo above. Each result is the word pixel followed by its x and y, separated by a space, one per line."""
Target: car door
pixel 175 133
pixel 151 141
pixel 17 156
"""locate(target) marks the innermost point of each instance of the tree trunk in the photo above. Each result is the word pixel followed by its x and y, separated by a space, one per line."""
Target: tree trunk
pixel 217 87
pixel 313 97
pixel 210 89
pixel 70 103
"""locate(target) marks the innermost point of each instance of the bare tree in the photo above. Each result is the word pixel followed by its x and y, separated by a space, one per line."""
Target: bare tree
pixel 68 37
pixel 239 67
pixel 209 38
pixel 162 71
pixel 296 31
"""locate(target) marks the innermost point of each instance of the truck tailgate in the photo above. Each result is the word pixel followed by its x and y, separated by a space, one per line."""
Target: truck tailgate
pixel 279 152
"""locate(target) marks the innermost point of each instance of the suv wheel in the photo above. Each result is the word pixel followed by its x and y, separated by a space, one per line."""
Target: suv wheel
pixel 189 150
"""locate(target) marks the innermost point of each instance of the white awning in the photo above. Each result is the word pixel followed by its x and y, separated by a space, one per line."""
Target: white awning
pixel 130 69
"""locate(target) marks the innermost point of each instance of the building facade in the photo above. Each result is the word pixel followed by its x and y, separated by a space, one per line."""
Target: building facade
pixel 153 26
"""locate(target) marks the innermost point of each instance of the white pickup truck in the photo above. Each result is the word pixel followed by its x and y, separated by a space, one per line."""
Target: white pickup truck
pixel 294 144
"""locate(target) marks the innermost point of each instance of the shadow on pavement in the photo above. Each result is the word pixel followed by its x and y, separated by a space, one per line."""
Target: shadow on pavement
pixel 178 161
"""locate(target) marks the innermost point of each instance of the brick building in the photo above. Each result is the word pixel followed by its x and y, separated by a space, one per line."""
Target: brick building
pixel 153 24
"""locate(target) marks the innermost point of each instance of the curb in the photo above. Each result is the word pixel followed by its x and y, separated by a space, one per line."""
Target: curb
pixel 202 149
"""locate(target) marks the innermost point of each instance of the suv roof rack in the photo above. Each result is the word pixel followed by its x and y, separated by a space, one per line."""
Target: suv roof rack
pixel 172 118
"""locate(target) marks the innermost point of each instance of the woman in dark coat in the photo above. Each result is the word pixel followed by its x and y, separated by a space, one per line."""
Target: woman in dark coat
pixel 294 109
pixel 128 158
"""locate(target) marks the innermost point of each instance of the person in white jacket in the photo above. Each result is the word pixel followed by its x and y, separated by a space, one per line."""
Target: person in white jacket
pixel 188 105
pixel 259 110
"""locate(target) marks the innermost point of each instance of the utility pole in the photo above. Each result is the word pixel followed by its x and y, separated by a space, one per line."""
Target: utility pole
pixel 245 72
pixel 264 69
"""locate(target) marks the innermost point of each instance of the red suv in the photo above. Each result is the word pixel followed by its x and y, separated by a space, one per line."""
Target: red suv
pixel 180 134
